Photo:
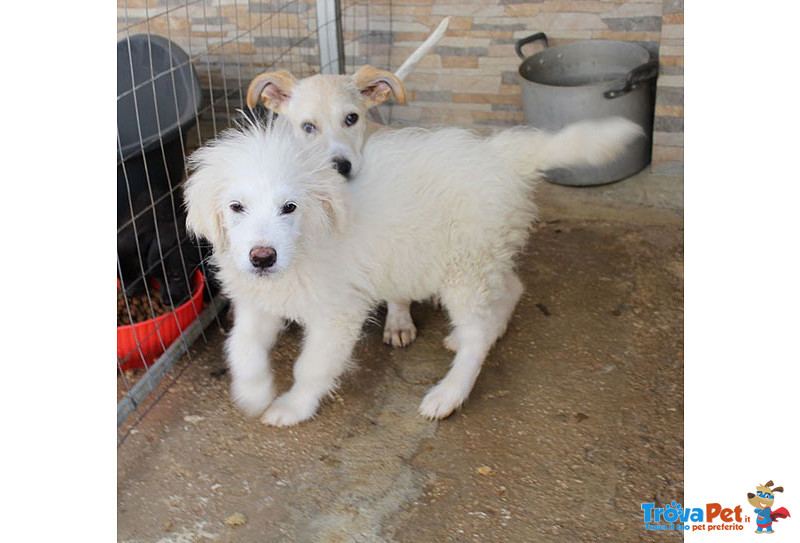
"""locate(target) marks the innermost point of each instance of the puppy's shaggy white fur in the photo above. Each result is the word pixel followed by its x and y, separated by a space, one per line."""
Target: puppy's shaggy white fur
pixel 433 212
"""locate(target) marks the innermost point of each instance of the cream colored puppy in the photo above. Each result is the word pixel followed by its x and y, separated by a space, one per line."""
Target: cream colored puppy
pixel 331 110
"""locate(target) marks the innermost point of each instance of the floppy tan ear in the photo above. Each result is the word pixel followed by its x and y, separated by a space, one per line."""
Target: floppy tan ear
pixel 273 89
pixel 376 85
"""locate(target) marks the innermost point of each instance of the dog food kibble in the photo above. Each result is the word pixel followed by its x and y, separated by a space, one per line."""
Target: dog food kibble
pixel 139 306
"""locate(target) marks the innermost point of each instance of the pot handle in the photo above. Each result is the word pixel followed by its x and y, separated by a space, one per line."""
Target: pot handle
pixel 639 74
pixel 524 41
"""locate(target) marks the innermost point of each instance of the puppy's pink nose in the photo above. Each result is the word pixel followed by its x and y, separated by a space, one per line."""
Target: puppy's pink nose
pixel 263 257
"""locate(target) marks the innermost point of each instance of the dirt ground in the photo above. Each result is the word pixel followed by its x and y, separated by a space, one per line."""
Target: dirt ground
pixel 576 419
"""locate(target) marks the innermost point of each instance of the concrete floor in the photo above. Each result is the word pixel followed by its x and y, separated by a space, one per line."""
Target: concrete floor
pixel 576 419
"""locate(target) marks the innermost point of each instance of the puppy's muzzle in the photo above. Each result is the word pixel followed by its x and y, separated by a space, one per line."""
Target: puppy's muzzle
pixel 263 257
pixel 342 166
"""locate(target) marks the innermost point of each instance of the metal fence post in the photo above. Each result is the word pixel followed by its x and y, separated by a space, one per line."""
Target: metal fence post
pixel 331 44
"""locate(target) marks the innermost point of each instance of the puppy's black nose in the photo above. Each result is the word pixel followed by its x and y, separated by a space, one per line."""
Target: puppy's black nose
pixel 342 166
pixel 263 257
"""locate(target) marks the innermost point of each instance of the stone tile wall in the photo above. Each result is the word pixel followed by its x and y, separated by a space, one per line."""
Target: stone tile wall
pixel 668 130
pixel 472 77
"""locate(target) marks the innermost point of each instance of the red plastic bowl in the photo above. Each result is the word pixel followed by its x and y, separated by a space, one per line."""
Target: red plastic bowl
pixel 153 336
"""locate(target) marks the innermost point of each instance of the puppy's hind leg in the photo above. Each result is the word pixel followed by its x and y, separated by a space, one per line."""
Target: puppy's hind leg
pixel 502 308
pixel 476 330
pixel 473 345
pixel 326 355
pixel 253 335
pixel 399 330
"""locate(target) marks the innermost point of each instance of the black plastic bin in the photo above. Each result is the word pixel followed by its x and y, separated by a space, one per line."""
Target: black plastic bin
pixel 167 96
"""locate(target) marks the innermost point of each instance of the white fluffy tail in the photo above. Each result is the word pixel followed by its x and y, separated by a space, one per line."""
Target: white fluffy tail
pixel 422 50
pixel 585 143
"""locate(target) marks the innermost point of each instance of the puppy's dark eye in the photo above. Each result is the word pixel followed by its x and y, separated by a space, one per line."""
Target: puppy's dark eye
pixel 351 119
pixel 308 128
pixel 236 207
pixel 288 207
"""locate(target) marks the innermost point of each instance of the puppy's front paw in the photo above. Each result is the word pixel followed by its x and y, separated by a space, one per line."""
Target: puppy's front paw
pixel 399 330
pixel 252 396
pixel 289 409
pixel 442 400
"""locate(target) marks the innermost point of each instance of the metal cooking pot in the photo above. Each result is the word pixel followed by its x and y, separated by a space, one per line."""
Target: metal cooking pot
pixel 591 79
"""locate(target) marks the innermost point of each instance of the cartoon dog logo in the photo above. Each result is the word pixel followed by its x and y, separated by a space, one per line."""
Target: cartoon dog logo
pixel 762 500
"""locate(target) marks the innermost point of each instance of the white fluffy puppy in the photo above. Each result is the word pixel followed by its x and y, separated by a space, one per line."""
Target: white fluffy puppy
pixel 433 212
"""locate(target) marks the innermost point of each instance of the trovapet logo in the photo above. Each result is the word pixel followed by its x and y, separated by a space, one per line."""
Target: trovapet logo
pixel 675 517
pixel 715 517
